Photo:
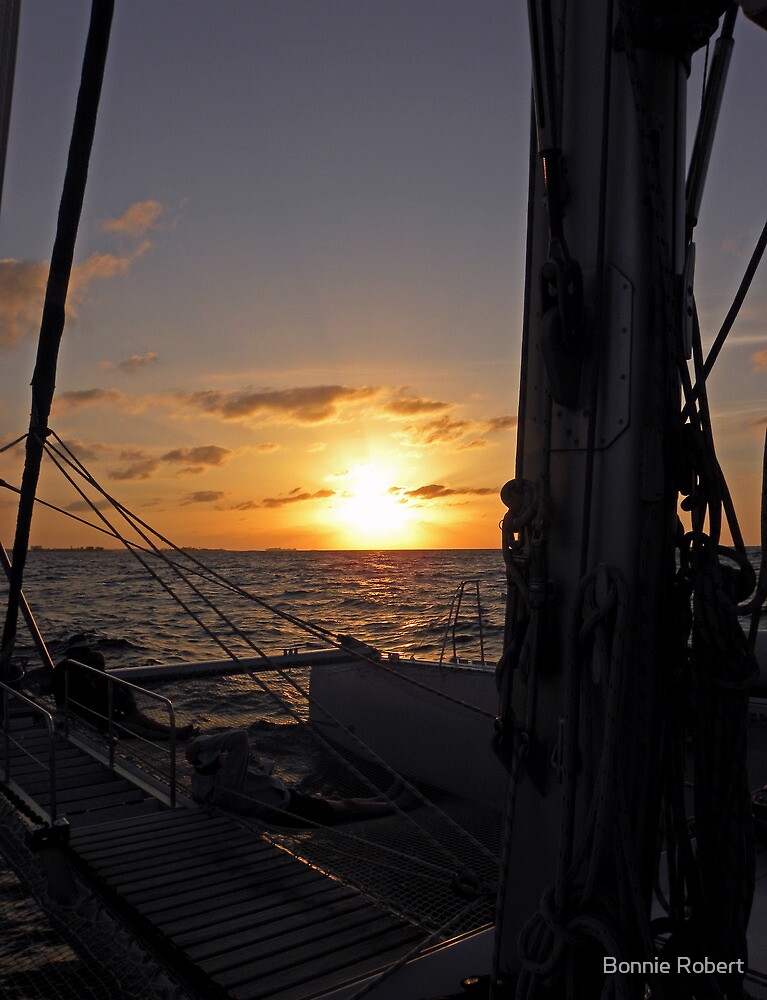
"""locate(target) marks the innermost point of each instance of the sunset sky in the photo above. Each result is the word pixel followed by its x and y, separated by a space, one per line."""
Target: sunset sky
pixel 295 313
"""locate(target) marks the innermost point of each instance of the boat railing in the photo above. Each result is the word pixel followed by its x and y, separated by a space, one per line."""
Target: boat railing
pixel 453 617
pixel 114 727
pixel 47 762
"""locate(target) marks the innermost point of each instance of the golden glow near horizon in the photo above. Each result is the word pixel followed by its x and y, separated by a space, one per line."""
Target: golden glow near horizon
pixel 370 511
pixel 327 358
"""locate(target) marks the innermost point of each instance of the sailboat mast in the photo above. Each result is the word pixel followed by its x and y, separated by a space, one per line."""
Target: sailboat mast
pixel 52 325
pixel 589 536
pixel 9 35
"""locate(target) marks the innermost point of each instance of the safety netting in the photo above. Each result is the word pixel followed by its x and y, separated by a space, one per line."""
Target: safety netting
pixel 76 951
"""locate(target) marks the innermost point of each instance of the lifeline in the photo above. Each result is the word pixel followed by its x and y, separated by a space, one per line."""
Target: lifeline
pixel 683 964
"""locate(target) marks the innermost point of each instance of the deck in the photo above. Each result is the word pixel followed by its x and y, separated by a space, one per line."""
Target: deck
pixel 225 909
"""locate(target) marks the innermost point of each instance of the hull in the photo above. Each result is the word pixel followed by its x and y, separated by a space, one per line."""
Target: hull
pixel 432 739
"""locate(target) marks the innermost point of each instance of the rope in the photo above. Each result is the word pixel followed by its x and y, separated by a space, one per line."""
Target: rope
pixel 713 884
pixel 581 906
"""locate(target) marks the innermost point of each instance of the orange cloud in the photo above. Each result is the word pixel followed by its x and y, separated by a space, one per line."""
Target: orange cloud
pixel 137 361
pixel 304 404
pixel 436 491
pixel 447 429
pixel 90 452
pixel 143 465
pixel 22 283
pixel 143 468
pixel 436 431
pixel 82 505
pixel 759 361
pixel 22 287
pixel 295 496
pixel 408 406
pixel 502 423
pixel 207 454
pixel 140 218
pixel 202 496
pixel 474 445
pixel 99 266
pixel 77 399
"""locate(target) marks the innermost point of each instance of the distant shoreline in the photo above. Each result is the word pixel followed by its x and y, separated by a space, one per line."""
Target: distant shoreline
pixel 271 549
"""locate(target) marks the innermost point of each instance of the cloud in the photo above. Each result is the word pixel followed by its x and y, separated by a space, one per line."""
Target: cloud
pixel 88 452
pixel 202 496
pixel 267 446
pixel 294 497
pixel 143 465
pixel 143 468
pixel 207 454
pixel 137 361
pixel 436 431
pixel 100 267
pixel 22 287
pixel 303 405
pixel 77 506
pixel 436 491
pixel 759 361
pixel 22 283
pixel 77 399
pixel 449 430
pixel 140 218
pixel 503 423
pixel 22 290
pixel 409 406
pixel 474 445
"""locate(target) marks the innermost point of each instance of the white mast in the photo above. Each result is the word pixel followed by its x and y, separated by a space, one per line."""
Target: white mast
pixel 9 33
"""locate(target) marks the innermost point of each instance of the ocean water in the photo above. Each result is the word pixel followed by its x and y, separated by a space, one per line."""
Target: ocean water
pixel 396 600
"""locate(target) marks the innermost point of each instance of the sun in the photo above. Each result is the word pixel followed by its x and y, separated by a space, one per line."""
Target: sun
pixel 371 510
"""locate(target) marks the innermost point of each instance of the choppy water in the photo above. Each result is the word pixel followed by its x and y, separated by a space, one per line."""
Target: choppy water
pixel 395 600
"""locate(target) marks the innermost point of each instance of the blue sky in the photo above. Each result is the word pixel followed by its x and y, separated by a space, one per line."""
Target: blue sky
pixel 297 314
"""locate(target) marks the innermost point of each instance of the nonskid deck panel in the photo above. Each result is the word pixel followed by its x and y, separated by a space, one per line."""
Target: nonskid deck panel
pixel 87 791
pixel 227 905
pixel 233 914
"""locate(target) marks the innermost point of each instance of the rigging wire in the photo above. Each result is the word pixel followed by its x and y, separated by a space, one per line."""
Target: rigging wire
pixel 729 320
pixel 12 444
pixel 318 632
pixel 284 676
pixel 52 323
